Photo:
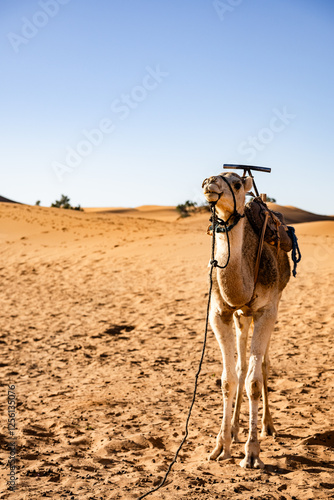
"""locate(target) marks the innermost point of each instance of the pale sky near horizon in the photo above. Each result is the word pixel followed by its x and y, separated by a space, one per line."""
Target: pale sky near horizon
pixel 132 102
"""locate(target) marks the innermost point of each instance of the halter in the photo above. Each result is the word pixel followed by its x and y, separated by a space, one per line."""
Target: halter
pixel 221 222
pixel 217 223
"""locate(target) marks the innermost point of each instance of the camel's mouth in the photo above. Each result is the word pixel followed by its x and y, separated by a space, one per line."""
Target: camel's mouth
pixel 211 192
pixel 211 196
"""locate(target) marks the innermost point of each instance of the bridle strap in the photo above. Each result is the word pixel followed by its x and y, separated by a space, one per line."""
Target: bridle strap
pixel 233 196
pixel 235 213
pixel 221 227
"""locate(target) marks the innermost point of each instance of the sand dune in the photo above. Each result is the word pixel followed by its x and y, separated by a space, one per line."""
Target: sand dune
pixel 7 200
pixel 292 215
pixel 162 213
pixel 101 331
pixel 295 215
pixel 318 228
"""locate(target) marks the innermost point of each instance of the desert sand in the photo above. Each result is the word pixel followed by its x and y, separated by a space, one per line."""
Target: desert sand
pixel 102 322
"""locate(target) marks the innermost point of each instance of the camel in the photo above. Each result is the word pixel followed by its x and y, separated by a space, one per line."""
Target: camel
pixel 235 295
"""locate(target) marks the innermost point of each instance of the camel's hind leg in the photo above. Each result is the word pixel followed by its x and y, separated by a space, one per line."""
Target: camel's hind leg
pixel 242 324
pixel 264 322
pixel 268 428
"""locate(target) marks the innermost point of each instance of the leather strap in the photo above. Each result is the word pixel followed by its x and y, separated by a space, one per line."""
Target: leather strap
pixel 260 247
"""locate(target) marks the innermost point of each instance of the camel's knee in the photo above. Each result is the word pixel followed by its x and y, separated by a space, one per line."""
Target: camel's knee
pixel 218 316
pixel 254 388
pixel 229 385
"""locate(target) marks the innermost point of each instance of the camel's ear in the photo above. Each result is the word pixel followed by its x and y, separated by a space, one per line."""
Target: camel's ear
pixel 248 183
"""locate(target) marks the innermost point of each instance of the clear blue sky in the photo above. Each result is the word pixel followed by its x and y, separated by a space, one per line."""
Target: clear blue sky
pixel 178 87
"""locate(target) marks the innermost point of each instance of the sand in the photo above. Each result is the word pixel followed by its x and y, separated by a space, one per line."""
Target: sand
pixel 167 214
pixel 101 332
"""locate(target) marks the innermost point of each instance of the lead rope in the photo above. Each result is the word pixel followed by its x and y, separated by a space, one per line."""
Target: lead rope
pixel 295 255
pixel 213 264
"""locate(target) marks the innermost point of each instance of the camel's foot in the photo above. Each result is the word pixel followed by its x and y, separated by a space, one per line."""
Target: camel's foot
pixel 224 456
pixel 268 430
pixel 216 452
pixel 219 453
pixel 252 462
pixel 252 459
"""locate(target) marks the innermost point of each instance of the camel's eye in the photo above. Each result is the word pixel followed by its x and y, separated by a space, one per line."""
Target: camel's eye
pixel 237 185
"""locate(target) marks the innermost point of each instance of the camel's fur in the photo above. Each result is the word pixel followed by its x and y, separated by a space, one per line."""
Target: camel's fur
pixel 235 297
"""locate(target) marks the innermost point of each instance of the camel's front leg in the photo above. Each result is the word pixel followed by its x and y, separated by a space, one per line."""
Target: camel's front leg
pixel 264 322
pixel 242 324
pixel 221 324
pixel 268 428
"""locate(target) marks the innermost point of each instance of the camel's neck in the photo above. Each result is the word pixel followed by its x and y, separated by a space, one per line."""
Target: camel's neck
pixel 236 282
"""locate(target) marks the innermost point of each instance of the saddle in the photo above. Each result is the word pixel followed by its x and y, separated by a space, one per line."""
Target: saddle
pixel 270 226
pixel 277 233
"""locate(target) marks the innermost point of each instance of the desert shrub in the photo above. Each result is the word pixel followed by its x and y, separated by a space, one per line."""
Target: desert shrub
pixel 64 202
pixel 191 207
pixel 185 209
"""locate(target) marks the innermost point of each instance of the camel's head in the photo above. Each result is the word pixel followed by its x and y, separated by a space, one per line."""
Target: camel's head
pixel 215 186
